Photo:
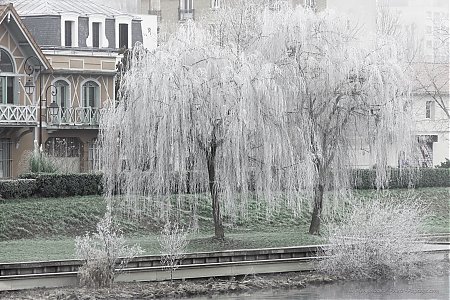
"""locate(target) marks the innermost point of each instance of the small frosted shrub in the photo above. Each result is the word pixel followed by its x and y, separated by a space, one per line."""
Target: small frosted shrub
pixel 377 239
pixel 173 242
pixel 105 254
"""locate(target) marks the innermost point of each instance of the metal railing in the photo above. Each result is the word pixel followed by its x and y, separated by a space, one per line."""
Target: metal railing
pixel 15 114
pixel 88 116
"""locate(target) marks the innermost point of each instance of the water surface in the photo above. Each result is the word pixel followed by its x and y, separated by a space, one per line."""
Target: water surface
pixel 424 288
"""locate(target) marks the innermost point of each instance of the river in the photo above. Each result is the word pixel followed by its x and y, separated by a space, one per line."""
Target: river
pixel 424 288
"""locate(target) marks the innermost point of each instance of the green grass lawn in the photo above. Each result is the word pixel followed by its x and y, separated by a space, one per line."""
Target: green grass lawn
pixel 44 229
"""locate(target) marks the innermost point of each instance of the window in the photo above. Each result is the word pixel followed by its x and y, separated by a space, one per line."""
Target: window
pixel 186 10
pixel 122 30
pixel 63 147
pixel 68 29
pixel 215 4
pixel 62 94
pixel 187 4
pixel 7 79
pixel 93 155
pixel 7 89
pixel 96 35
pixel 429 110
pixel 5 158
pixel 91 94
pixel 123 36
pixel 310 3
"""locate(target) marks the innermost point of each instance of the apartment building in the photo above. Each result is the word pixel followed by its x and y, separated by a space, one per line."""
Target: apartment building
pixel 57 71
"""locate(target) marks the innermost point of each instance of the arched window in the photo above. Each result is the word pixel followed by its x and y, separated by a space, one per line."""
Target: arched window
pixel 7 78
pixel 91 94
pixel 62 94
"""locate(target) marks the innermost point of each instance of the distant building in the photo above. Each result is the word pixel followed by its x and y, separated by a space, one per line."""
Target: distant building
pixel 72 48
pixel 172 13
pixel 425 24
pixel 149 22
pixel 431 111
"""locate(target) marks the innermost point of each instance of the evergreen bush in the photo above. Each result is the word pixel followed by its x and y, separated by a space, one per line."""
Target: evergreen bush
pixel 21 188
pixel 424 177
pixel 63 185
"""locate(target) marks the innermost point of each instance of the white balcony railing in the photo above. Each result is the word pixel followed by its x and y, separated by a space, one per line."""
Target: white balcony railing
pixel 15 114
pixel 88 116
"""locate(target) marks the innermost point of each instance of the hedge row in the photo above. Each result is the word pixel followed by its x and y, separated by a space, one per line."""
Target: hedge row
pixel 21 188
pixel 63 185
pixel 52 185
pixel 426 177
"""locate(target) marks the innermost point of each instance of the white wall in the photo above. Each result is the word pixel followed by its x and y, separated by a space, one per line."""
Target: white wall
pixel 438 125
pixel 149 25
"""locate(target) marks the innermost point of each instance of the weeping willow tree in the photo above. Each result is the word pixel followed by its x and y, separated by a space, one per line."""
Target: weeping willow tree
pixel 263 105
pixel 338 92
pixel 196 115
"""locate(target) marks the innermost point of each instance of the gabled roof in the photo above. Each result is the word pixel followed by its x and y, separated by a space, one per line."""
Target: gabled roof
pixel 58 7
pixel 12 21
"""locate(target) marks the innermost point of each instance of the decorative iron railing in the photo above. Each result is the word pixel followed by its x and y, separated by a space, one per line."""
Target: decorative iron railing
pixel 15 114
pixel 88 116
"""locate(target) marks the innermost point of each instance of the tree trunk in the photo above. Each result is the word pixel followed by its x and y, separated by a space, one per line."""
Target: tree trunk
pixel 213 188
pixel 314 228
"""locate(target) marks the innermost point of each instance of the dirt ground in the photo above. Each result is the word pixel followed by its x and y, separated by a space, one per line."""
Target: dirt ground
pixel 177 289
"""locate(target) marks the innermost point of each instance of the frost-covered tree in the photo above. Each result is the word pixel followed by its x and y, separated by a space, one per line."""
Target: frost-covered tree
pixel 339 92
pixel 265 104
pixel 196 115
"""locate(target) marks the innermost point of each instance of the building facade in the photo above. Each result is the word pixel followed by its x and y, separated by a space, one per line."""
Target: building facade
pixel 423 26
pixel 172 13
pixel 72 72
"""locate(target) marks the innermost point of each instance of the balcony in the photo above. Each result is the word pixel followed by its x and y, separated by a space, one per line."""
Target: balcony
pixel 18 115
pixel 78 116
pixel 186 14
